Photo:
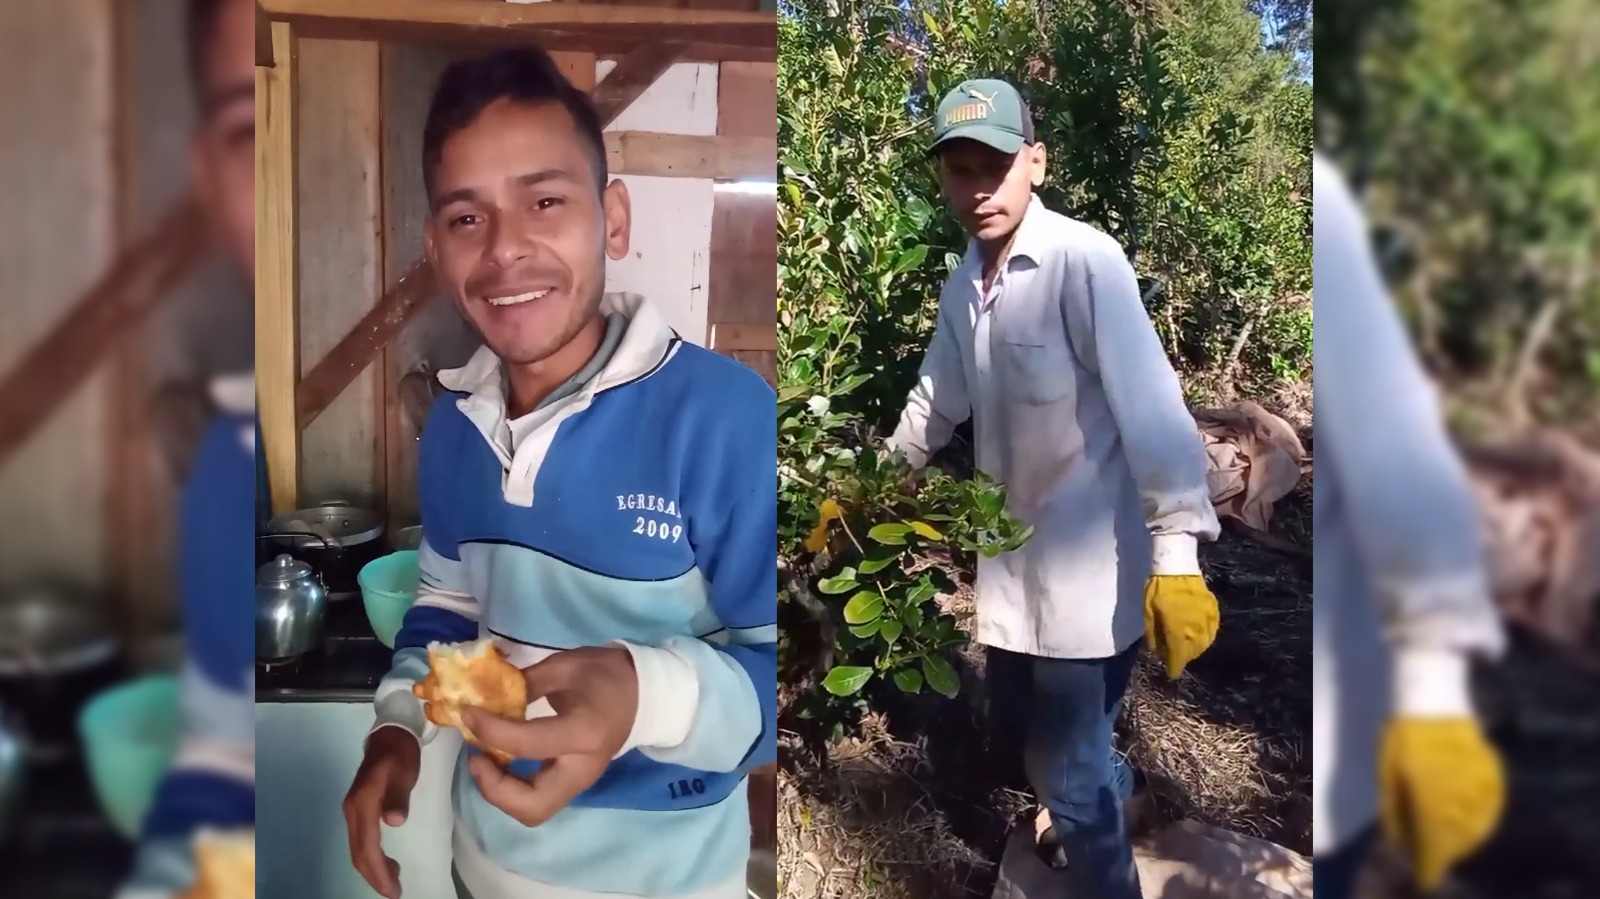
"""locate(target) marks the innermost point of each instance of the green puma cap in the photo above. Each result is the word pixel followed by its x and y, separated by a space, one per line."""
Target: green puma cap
pixel 985 110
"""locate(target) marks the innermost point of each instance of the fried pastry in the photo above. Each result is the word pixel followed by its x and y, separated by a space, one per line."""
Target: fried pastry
pixel 225 865
pixel 472 674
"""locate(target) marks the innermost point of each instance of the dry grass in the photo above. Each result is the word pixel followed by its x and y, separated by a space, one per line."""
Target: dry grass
pixel 868 826
pixel 911 808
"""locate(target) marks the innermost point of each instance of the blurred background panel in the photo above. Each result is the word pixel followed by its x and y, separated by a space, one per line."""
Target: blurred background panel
pixel 1470 129
pixel 112 314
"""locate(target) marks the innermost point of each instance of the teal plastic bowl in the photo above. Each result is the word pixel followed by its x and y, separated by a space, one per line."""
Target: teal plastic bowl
pixel 130 734
pixel 388 588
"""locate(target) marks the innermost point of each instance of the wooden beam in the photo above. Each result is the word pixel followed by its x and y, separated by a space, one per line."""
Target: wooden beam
pixel 277 275
pixel 631 77
pixel 727 338
pixel 472 21
pixel 263 38
pixel 121 300
pixel 578 68
pixel 131 507
pixel 720 158
pixel 363 343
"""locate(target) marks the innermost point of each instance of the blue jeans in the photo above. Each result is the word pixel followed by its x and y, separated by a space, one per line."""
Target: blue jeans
pixel 1334 875
pixel 1065 711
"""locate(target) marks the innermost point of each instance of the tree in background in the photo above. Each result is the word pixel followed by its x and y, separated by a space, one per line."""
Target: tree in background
pixel 1472 127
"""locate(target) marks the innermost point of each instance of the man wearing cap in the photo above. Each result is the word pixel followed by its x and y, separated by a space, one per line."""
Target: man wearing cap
pixel 1042 339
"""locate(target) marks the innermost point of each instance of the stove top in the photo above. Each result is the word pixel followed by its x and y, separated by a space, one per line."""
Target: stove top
pixel 60 845
pixel 346 668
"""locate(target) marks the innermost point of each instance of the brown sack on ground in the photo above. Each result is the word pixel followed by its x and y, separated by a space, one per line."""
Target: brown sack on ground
pixel 1540 500
pixel 1254 457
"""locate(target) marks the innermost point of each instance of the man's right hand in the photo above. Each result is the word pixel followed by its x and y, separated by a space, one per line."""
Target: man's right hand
pixel 381 794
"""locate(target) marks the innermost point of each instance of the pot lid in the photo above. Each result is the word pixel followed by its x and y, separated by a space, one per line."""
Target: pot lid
pixel 46 628
pixel 282 571
pixel 339 522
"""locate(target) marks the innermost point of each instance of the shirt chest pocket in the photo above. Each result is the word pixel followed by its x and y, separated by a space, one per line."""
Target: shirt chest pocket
pixel 1033 372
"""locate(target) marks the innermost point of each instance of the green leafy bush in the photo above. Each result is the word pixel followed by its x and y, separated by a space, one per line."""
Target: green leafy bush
pixel 1187 160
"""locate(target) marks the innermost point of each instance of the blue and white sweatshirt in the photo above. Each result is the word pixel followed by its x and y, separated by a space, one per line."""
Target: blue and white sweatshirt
pixel 640 509
pixel 211 784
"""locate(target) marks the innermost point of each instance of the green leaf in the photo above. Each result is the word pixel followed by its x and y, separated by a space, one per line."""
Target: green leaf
pixel 941 677
pixel 890 630
pixel 890 533
pixel 926 531
pixel 863 607
pixel 878 561
pixel 839 584
pixel 846 680
pixel 922 592
pixel 869 629
pixel 910 259
pixel 991 502
pixel 909 680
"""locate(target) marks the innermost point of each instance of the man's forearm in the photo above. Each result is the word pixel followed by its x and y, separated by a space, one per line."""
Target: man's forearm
pixel 699 705
pixel 922 431
pixel 937 403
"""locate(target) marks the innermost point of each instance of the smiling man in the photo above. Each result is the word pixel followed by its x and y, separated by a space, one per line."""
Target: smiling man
pixel 1043 342
pixel 598 498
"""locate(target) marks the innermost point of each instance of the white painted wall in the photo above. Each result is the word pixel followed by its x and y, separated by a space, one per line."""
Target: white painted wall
pixel 670 258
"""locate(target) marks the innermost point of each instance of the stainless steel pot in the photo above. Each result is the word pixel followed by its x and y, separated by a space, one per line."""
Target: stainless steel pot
pixel 291 609
pixel 335 538
pixel 48 632
pixel 406 538
pixel 338 522
pixel 57 649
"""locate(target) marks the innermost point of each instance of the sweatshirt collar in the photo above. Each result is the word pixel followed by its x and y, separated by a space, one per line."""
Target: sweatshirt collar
pixel 644 348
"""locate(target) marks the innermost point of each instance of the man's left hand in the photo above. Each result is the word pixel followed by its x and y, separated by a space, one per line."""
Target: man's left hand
pixel 1180 619
pixel 595 694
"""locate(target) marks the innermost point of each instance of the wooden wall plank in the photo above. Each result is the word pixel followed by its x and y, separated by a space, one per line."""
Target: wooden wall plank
pixel 744 242
pixel 436 337
pixel 719 158
pixel 56 168
pixel 339 223
pixel 747 99
pixel 277 282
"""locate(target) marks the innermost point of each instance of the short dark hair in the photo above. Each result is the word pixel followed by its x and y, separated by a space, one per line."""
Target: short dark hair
pixel 201 27
pixel 522 75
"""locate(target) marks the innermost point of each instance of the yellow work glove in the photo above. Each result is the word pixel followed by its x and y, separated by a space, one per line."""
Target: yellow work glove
pixel 1441 784
pixel 1180 612
pixel 1180 619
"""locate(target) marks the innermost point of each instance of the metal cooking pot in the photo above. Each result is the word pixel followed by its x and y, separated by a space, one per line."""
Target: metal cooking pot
pixel 335 538
pixel 406 538
pixel 57 650
pixel 291 608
